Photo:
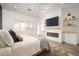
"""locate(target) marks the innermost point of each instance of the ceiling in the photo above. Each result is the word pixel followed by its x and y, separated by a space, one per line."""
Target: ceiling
pixel 68 5
pixel 35 9
pixel 31 9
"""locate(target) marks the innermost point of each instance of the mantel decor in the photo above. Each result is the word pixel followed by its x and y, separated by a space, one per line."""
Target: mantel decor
pixel 69 17
pixel 70 20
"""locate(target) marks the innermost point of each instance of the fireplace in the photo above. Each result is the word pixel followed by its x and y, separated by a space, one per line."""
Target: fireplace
pixel 53 34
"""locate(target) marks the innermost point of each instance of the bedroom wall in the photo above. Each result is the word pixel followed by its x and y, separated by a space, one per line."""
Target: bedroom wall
pixel 60 10
pixel 74 10
pixel 53 12
pixel 10 17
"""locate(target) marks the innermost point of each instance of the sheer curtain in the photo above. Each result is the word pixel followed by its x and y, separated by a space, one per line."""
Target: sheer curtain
pixel 22 27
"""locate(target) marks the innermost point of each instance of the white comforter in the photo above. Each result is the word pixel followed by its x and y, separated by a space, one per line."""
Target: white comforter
pixel 29 46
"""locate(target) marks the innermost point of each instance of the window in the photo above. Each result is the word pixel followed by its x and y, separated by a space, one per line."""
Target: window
pixel 22 26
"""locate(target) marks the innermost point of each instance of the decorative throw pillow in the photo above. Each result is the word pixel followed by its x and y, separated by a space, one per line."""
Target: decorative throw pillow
pixel 19 38
pixel 13 34
pixel 6 38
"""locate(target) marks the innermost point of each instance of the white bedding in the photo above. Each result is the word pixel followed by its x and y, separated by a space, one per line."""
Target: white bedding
pixel 28 47
pixel 5 51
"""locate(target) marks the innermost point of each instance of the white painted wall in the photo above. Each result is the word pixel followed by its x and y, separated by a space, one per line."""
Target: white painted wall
pixel 74 10
pixel 53 12
pixel 61 11
pixel 10 17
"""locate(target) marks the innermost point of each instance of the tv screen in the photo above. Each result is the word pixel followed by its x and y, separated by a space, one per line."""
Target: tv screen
pixel 52 21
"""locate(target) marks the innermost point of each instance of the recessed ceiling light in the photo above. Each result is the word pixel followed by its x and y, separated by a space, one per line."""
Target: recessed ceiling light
pixel 29 9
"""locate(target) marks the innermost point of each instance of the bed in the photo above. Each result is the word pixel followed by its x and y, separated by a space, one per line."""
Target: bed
pixel 28 47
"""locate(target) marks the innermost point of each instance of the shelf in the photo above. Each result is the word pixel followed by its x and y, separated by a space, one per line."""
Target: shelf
pixel 69 25
pixel 71 32
pixel 70 20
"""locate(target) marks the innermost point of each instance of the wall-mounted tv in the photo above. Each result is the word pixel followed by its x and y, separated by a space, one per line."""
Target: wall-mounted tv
pixel 52 21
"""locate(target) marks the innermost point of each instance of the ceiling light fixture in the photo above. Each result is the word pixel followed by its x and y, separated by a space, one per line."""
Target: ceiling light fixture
pixel 29 9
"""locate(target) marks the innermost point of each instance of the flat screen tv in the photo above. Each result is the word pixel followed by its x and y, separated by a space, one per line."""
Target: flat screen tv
pixel 52 21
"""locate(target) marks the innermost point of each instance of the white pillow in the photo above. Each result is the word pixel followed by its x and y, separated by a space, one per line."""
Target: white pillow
pixel 6 38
